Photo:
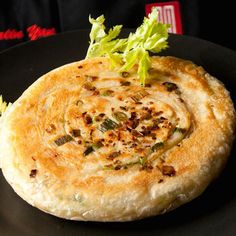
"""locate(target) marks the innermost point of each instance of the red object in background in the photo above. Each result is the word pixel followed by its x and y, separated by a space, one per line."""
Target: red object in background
pixel 11 34
pixel 35 32
pixel 169 13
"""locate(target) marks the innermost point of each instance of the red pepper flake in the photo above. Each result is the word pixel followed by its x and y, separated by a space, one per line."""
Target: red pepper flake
pixel 95 93
pixel 80 67
pixel 125 74
pixel 99 117
pixel 124 83
pixel 170 86
pixel 89 87
pixel 75 132
pixel 133 145
pixel 119 98
pixel 118 167
pixel 113 155
pixel 33 173
pixel 50 129
pixel 123 108
pixel 136 133
pixel 90 78
pixel 133 115
pixel 146 166
pixel 145 132
pixel 146 115
pixel 168 170
pixel 119 136
pixel 158 113
pixel 88 119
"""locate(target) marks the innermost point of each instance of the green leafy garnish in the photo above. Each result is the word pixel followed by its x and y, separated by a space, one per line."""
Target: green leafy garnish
pixel 151 36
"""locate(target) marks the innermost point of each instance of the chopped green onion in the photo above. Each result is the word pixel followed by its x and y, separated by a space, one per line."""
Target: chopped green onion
pixel 107 93
pixel 108 124
pixel 170 86
pixel 97 145
pixel 142 160
pixel 139 95
pixel 88 150
pixel 63 139
pixel 75 132
pixel 120 116
pixel 180 130
pixel 109 167
pixel 93 148
pixel 157 146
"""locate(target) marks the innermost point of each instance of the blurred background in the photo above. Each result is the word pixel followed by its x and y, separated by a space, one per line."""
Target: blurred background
pixel 25 20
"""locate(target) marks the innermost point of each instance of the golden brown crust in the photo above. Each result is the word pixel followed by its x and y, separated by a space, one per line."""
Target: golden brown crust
pixel 60 155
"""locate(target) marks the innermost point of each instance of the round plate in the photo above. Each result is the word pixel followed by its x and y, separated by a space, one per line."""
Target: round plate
pixel 214 212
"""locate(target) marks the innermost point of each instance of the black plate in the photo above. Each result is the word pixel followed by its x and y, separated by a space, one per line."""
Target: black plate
pixel 213 213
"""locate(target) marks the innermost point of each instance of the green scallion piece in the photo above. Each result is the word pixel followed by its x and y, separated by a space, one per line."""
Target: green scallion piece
pixel 107 93
pixel 120 116
pixel 88 150
pixel 142 160
pixel 97 145
pixel 93 148
pixel 180 130
pixel 63 139
pixel 139 95
pixel 75 132
pixel 170 86
pixel 157 146
pixel 108 124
